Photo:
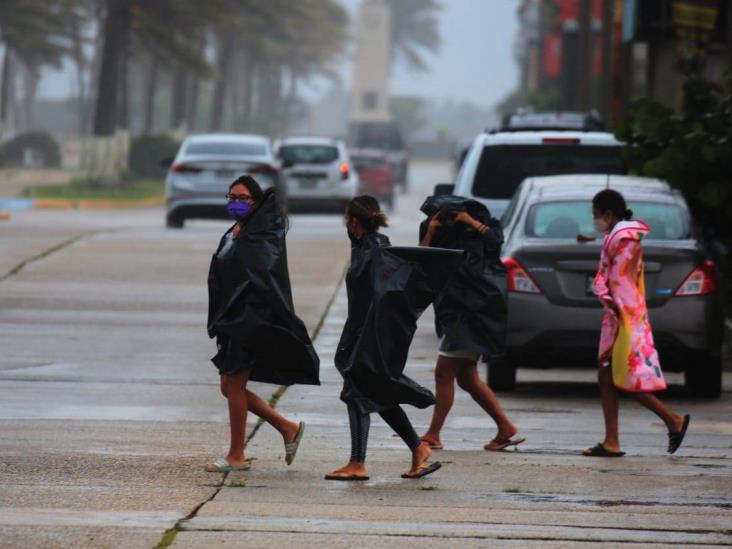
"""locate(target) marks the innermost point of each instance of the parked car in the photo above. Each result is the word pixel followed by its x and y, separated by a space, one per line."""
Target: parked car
pixel 316 172
pixel 387 137
pixel 554 318
pixel 498 160
pixel 200 173
pixel 375 175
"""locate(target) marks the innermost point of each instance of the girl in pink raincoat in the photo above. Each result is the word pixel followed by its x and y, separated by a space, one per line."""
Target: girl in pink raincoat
pixel 627 357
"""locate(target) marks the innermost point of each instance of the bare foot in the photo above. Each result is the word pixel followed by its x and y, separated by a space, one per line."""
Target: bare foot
pixel 420 454
pixel 433 442
pixel 611 446
pixel 505 432
pixel 352 469
pixel 677 424
pixel 290 433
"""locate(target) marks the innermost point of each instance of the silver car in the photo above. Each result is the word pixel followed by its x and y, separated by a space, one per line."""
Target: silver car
pixel 201 172
pixel 317 173
pixel 554 317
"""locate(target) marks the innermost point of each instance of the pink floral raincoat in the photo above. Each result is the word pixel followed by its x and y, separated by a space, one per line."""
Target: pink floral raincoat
pixel 625 336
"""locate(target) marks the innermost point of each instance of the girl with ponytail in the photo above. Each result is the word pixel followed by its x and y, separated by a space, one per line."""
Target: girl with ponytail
pixel 627 356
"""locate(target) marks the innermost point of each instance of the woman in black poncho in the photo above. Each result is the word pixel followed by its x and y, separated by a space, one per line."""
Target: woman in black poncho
pixel 252 316
pixel 470 312
pixel 388 289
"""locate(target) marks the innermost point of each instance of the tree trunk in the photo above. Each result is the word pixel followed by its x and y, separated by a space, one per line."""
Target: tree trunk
pixel 247 93
pixel 80 61
pixel 178 98
pixel 30 87
pixel 6 84
pixel 116 29
pixel 192 109
pixel 152 85
pixel 225 49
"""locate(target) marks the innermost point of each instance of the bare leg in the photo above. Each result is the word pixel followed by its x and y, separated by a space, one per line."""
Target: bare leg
pixel 673 421
pixel 469 380
pixel 260 407
pixel 610 408
pixel 445 372
pixel 233 387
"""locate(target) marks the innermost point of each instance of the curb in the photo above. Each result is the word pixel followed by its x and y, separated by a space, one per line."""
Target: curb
pixel 76 204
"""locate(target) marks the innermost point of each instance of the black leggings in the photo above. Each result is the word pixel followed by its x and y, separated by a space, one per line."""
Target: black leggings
pixel 360 422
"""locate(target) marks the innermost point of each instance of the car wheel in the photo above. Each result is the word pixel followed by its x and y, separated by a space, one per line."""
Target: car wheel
pixel 704 378
pixel 174 222
pixel 502 374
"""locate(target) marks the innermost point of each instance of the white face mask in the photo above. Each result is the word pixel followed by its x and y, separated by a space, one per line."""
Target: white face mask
pixel 600 225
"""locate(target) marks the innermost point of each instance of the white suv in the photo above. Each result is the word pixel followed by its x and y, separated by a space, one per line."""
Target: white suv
pixel 316 172
pixel 499 160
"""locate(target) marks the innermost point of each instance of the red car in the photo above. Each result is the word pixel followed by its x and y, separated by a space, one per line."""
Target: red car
pixel 375 174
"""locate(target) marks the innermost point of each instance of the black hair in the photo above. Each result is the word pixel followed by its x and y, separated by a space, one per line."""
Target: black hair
pixel 609 200
pixel 366 209
pixel 252 186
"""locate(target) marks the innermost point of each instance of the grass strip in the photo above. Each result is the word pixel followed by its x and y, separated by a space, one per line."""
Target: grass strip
pixel 77 189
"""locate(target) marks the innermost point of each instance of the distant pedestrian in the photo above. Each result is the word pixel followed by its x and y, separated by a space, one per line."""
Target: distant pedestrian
pixel 251 314
pixel 388 289
pixel 470 312
pixel 627 357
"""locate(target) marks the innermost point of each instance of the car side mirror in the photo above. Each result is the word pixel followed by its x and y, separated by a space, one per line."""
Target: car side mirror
pixel 582 238
pixel 166 162
pixel 443 188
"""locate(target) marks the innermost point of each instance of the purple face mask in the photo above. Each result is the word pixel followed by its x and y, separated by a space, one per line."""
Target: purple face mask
pixel 239 210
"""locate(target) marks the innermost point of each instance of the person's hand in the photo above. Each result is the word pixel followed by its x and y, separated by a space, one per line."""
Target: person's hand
pixel 464 217
pixel 434 223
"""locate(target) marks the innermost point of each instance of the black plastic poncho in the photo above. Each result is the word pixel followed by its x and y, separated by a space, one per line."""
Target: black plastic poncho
pixel 251 312
pixel 471 311
pixel 388 289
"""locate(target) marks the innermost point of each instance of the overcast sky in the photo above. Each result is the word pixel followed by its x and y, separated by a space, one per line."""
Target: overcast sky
pixel 475 61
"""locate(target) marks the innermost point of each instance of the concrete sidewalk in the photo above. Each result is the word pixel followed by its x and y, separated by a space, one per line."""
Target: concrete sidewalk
pixel 546 493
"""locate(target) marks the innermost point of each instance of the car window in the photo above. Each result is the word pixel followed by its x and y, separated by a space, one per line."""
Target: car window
pixel 567 219
pixel 362 162
pixel 376 135
pixel 502 167
pixel 308 154
pixel 235 148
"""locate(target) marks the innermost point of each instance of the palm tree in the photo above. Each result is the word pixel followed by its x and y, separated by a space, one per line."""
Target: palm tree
pixel 414 31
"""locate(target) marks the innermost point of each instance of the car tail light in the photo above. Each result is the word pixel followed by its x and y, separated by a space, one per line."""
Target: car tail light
pixel 267 169
pixel 518 279
pixel 345 170
pixel 701 281
pixel 561 140
pixel 185 168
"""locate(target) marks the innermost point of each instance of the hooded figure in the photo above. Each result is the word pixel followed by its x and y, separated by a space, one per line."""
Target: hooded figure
pixel 470 312
pixel 251 313
pixel 388 289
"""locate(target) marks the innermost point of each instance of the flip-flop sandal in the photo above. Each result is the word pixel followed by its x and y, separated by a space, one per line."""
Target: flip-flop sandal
pixel 498 445
pixel 600 451
pixel 347 478
pixel 291 447
pixel 223 466
pixel 424 470
pixel 432 445
pixel 675 439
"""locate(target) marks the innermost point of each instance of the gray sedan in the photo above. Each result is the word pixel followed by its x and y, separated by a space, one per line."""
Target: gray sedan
pixel 200 174
pixel 554 318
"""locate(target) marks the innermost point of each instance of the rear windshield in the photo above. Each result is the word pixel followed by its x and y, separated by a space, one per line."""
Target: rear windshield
pixel 376 135
pixel 308 154
pixel 570 218
pixel 233 148
pixel 363 162
pixel 503 167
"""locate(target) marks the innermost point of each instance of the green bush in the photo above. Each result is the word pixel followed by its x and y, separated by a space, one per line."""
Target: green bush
pixel 147 151
pixel 49 153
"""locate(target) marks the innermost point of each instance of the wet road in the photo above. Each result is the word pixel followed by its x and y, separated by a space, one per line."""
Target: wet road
pixel 109 405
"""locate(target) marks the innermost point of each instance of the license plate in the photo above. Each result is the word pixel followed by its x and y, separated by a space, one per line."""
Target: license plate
pixel 589 285
pixel 307 183
pixel 225 173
